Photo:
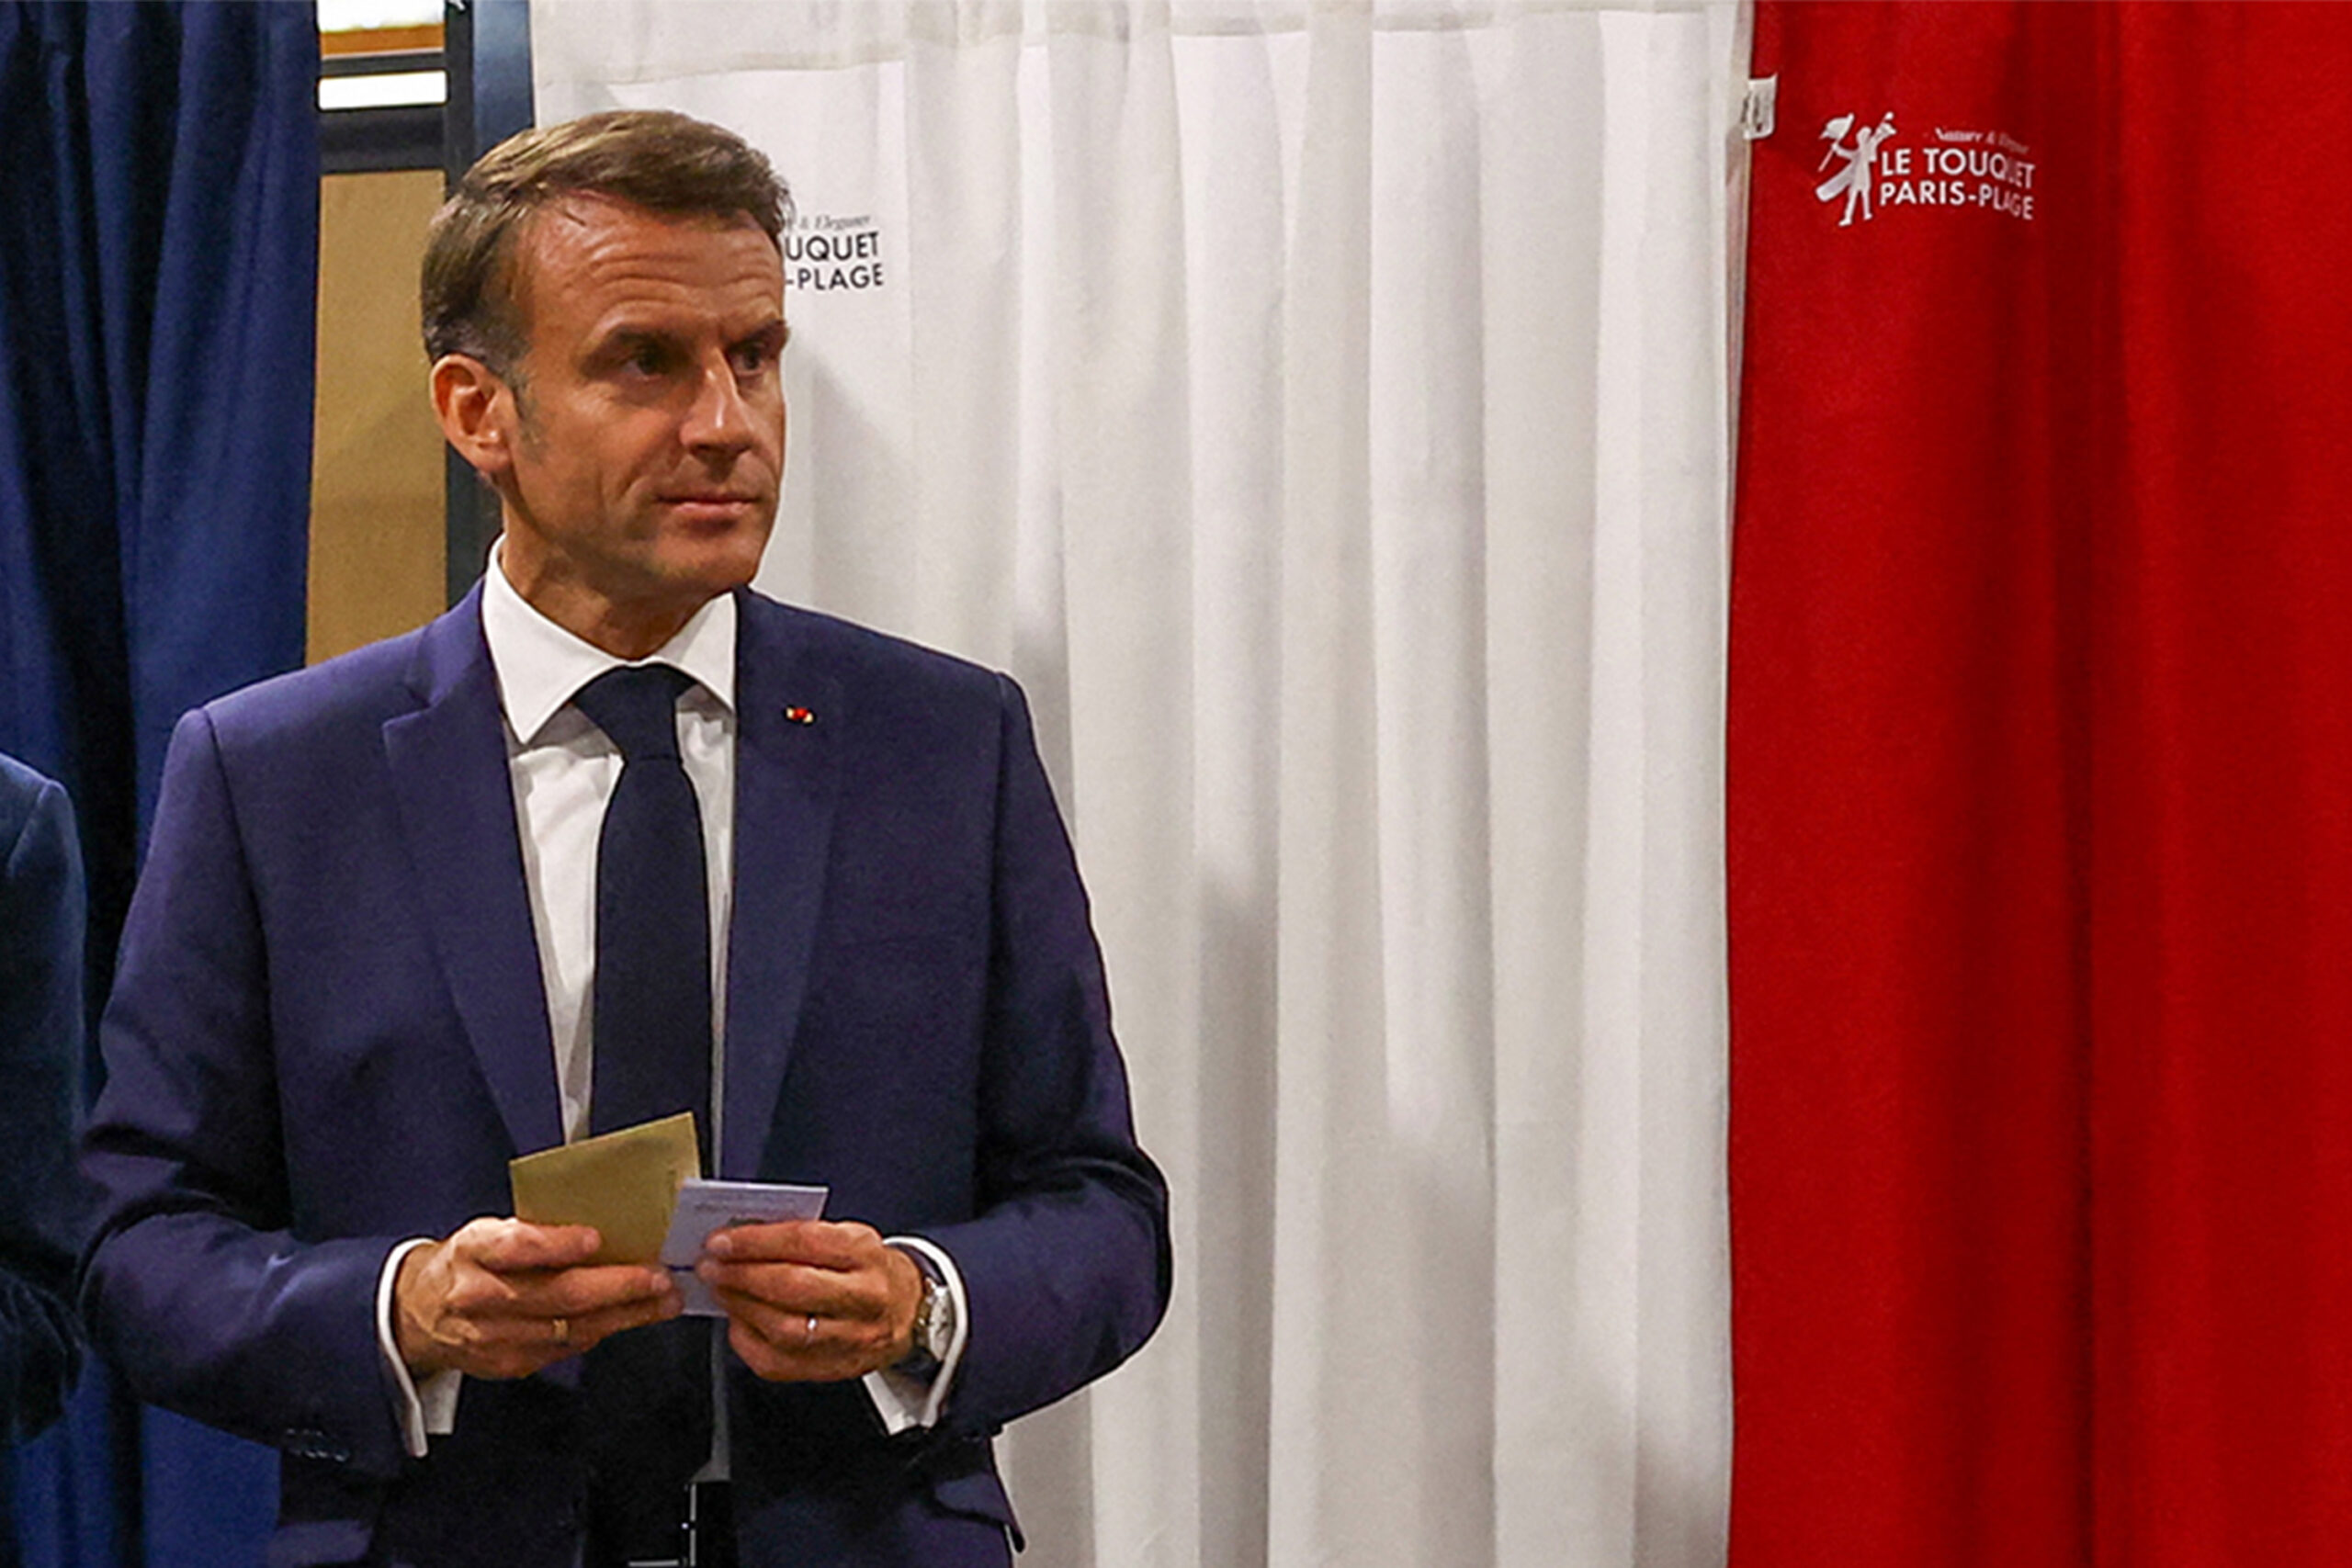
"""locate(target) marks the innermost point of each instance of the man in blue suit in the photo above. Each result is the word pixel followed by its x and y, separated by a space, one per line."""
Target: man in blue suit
pixel 373 956
pixel 40 1076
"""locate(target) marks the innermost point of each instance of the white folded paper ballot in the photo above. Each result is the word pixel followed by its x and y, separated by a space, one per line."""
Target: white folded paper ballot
pixel 706 1206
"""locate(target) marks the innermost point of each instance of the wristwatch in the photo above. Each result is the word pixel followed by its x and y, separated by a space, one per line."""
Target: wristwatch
pixel 934 1321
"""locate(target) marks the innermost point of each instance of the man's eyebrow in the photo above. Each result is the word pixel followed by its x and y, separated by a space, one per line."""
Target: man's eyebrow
pixel 774 333
pixel 627 338
pixel 624 339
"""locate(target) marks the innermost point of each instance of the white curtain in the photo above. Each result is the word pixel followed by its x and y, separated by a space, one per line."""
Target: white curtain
pixel 1321 409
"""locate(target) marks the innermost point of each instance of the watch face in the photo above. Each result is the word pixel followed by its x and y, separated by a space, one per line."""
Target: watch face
pixel 935 1319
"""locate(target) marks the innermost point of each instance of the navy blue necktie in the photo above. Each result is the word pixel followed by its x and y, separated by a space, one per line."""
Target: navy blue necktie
pixel 648 1413
pixel 651 1009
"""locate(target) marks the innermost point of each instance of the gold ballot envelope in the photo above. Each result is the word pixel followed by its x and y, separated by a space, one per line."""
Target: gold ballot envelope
pixel 624 1183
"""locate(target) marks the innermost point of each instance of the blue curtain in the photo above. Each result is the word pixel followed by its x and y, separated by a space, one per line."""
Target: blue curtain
pixel 159 182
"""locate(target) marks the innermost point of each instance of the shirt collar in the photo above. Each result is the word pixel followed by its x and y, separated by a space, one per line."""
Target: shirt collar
pixel 539 665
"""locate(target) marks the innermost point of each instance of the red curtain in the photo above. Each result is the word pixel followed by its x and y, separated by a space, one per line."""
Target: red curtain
pixel 2041 790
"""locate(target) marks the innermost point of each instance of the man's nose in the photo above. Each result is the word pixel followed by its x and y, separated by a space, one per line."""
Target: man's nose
pixel 720 417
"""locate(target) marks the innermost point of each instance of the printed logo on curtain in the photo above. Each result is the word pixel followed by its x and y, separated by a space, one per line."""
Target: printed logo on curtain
pixel 826 250
pixel 1983 170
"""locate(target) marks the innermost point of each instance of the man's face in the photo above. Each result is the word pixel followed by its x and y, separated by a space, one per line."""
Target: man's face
pixel 645 440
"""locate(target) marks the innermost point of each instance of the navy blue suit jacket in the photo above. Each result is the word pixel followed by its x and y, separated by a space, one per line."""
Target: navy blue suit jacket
pixel 40 1076
pixel 328 1032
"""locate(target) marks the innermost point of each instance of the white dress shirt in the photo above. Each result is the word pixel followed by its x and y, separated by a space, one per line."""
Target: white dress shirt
pixel 564 772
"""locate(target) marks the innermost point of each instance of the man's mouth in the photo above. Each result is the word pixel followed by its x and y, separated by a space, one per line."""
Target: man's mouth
pixel 714 506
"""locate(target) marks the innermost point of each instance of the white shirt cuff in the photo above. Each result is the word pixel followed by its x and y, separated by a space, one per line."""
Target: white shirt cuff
pixel 901 1399
pixel 429 1410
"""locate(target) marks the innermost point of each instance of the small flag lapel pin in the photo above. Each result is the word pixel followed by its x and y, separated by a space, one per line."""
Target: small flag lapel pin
pixel 798 714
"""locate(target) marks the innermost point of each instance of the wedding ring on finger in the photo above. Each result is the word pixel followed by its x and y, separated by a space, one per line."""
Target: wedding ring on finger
pixel 562 1329
pixel 808 1333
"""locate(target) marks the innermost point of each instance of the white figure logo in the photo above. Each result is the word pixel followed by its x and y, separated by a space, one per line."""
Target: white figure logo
pixel 1862 161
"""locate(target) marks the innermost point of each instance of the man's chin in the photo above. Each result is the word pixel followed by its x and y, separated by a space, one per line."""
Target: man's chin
pixel 717 561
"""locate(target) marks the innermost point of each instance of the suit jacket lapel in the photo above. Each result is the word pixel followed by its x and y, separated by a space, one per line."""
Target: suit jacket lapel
pixel 790 723
pixel 457 806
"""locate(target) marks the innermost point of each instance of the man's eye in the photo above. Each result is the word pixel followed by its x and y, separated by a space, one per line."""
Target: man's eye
pixel 640 360
pixel 752 358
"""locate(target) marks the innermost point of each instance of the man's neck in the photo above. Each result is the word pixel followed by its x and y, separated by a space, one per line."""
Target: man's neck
pixel 628 631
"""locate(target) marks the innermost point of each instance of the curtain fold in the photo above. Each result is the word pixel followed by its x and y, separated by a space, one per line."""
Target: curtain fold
pixel 1909 1082
pixel 1321 410
pixel 158 237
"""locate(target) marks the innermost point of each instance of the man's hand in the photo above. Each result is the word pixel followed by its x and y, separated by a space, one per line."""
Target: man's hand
pixel 808 1300
pixel 503 1298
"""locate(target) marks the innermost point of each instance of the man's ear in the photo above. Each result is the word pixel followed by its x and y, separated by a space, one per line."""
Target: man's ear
pixel 476 408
